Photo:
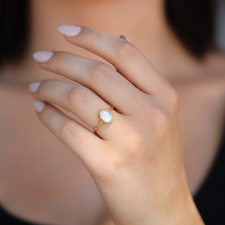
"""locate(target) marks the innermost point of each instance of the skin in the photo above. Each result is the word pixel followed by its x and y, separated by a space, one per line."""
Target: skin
pixel 53 180
pixel 133 154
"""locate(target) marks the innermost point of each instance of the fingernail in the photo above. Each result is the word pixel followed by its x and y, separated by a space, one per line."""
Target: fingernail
pixel 124 37
pixel 34 86
pixel 43 56
pixel 69 30
pixel 38 105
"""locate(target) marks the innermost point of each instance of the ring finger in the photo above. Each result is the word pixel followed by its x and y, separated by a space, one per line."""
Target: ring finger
pixel 79 100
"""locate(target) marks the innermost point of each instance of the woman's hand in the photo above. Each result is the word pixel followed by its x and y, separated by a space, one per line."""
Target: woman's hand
pixel 136 160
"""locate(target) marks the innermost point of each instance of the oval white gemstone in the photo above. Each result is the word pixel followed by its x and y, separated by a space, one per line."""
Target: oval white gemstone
pixel 106 116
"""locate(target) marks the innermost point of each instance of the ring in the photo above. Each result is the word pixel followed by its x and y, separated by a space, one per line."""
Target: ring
pixel 105 117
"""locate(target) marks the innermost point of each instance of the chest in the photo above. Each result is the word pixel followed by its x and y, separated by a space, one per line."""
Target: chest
pixel 202 110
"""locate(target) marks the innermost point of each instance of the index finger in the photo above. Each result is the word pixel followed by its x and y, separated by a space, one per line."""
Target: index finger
pixel 123 55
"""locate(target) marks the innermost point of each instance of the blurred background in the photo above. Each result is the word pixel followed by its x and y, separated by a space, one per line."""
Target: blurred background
pixel 52 165
pixel 220 28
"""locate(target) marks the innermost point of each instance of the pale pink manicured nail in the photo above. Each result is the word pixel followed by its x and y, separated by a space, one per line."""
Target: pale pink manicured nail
pixel 69 30
pixel 125 38
pixel 34 86
pixel 38 105
pixel 43 56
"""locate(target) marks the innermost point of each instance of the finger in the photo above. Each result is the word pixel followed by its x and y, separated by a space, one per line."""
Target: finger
pixel 79 100
pixel 113 88
pixel 123 55
pixel 86 145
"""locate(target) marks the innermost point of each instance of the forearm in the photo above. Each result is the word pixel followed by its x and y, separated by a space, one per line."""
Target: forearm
pixel 184 212
pixel 187 216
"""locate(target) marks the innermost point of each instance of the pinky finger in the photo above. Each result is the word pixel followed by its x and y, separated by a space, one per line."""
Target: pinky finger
pixel 85 144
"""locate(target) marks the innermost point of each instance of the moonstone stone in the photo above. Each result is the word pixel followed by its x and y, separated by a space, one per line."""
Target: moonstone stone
pixel 106 116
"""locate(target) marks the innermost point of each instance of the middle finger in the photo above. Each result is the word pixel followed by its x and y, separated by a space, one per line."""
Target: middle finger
pixel 105 81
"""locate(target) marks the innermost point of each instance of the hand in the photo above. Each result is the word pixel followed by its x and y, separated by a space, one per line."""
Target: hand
pixel 136 160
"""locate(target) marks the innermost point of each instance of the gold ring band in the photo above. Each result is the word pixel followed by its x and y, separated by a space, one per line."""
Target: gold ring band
pixel 105 117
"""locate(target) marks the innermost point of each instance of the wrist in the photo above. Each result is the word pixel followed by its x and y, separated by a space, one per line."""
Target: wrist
pixel 182 211
pixel 187 213
pixel 177 207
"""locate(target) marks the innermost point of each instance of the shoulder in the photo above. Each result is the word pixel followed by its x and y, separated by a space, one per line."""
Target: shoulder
pixel 214 63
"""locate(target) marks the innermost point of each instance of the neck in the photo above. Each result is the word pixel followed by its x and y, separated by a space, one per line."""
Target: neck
pixel 144 24
pixel 140 22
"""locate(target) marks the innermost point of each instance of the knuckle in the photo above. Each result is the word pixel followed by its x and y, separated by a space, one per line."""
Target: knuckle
pixel 139 142
pixel 68 129
pixel 100 71
pixel 47 116
pixel 44 87
pixel 62 59
pixel 117 163
pixel 162 122
pixel 77 95
pixel 114 167
pixel 94 34
pixel 126 50
pixel 137 148
pixel 173 99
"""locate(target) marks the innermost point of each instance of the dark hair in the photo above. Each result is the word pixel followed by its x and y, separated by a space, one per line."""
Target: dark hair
pixel 14 29
pixel 191 20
